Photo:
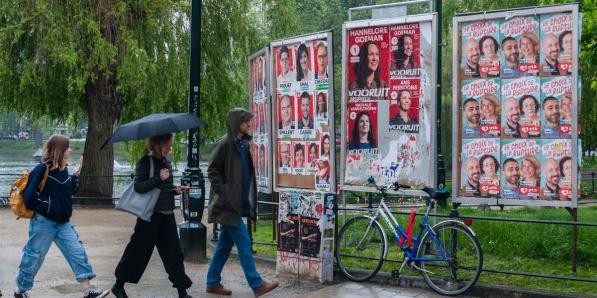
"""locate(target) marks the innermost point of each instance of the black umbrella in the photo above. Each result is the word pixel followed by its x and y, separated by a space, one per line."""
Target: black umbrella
pixel 154 125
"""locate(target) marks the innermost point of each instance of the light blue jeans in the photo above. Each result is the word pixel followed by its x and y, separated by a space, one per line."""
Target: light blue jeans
pixel 42 232
pixel 230 235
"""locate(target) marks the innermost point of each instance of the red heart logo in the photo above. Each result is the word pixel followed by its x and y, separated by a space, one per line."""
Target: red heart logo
pixel 525 129
pixel 523 68
pixel 484 128
pixel 485 188
pixel 484 69
pixel 564 128
pixel 524 190
pixel 565 192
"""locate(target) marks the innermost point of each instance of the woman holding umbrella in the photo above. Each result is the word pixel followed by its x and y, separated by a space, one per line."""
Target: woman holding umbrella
pixel 161 232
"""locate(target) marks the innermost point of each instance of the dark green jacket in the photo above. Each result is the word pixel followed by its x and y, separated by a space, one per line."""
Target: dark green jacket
pixel 225 175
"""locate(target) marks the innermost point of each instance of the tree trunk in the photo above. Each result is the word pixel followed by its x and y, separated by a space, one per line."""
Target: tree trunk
pixel 104 107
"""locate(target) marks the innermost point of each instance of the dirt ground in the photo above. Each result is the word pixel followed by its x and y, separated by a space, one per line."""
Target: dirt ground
pixel 105 233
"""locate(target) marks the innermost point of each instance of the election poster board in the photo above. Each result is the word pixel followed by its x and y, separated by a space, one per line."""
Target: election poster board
pixel 388 102
pixel 303 113
pixel 516 107
pixel 260 106
pixel 306 222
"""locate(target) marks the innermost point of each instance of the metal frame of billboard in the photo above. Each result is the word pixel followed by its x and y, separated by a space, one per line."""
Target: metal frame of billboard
pixel 268 103
pixel 457 142
pixel 428 17
pixel 273 93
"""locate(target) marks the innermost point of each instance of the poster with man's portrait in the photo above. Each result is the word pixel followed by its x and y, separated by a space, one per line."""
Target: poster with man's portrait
pixel 519 37
pixel 481 52
pixel 556 44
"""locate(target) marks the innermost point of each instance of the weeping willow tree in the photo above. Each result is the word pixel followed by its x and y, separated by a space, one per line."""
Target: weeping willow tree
pixel 104 60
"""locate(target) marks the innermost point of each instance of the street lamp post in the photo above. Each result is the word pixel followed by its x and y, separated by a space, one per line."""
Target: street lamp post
pixel 192 232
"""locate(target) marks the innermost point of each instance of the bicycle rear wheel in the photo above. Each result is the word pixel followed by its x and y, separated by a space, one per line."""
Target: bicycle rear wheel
pixel 465 259
pixel 360 249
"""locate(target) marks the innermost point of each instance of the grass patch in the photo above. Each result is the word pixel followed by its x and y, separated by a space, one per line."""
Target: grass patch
pixel 526 247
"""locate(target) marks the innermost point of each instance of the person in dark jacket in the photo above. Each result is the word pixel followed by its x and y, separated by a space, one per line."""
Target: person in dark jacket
pixel 51 223
pixel 162 231
pixel 232 196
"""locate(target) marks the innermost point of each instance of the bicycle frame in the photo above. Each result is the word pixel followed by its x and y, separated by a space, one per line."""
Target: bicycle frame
pixel 398 232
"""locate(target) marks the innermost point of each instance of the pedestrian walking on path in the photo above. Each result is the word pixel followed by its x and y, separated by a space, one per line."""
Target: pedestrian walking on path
pixel 233 196
pixel 161 231
pixel 53 208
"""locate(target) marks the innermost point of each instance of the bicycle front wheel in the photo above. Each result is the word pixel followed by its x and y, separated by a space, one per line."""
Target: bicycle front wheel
pixel 361 248
pixel 464 263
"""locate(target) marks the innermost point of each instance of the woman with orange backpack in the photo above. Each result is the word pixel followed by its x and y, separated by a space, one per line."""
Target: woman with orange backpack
pixel 53 208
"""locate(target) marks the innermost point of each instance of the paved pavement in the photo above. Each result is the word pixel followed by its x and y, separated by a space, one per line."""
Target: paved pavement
pixel 105 233
pixel 361 290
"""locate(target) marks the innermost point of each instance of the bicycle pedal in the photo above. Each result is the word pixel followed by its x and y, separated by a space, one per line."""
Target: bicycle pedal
pixel 395 273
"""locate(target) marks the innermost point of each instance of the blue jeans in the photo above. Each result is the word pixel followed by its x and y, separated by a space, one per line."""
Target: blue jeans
pixel 42 232
pixel 230 235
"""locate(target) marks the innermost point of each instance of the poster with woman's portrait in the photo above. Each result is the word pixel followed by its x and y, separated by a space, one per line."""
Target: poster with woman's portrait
pixel 481 108
pixel 300 157
pixel 326 146
pixel 404 105
pixel 480 49
pixel 480 173
pixel 526 91
pixel 362 127
pixel 322 176
pixel 556 109
pixel 304 63
pixel 521 169
pixel 405 54
pixel 556 44
pixel 368 63
pixel 321 106
pixel 313 152
pixel 556 179
pixel 525 32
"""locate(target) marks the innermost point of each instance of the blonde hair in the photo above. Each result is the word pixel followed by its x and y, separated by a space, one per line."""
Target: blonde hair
pixel 155 143
pixel 535 162
pixel 534 39
pixel 54 151
pixel 495 101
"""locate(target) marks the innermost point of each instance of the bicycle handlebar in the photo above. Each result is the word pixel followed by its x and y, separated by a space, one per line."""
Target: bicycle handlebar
pixel 432 192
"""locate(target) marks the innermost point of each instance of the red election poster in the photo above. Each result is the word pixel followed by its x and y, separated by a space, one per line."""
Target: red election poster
pixel 404 105
pixel 556 44
pixel 320 49
pixel 286 112
pixel 285 64
pixel 362 125
pixel 304 104
pixel 405 51
pixel 368 63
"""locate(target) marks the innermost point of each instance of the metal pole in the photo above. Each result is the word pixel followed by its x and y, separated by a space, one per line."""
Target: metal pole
pixel 441 168
pixel 574 213
pixel 193 234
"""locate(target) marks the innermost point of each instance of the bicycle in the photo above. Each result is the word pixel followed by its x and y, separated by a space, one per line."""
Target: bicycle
pixel 448 255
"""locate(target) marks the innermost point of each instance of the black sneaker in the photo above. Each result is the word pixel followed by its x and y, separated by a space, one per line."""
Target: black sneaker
pixel 119 292
pixel 94 292
pixel 22 295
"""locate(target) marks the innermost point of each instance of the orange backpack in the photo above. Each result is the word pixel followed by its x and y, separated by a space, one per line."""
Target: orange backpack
pixel 17 189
